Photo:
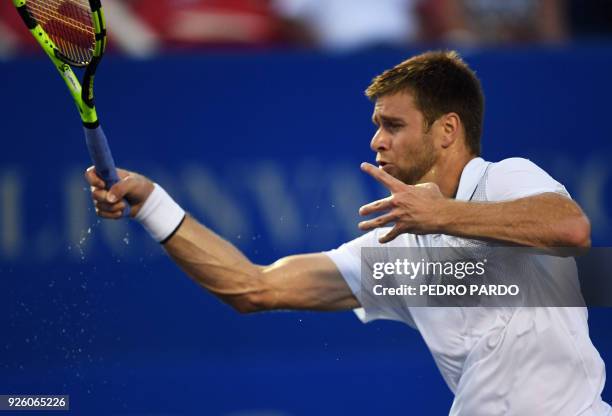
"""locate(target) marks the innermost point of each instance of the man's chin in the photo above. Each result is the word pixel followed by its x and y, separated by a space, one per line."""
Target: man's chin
pixel 390 169
pixel 395 172
pixel 409 178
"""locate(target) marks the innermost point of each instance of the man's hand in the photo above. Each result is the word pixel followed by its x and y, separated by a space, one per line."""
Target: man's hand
pixel 133 187
pixel 543 220
pixel 411 207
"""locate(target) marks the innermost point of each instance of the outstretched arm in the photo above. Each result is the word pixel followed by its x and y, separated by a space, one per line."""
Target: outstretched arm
pixel 309 281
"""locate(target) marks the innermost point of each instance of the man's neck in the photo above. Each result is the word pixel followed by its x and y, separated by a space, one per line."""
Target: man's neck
pixel 447 173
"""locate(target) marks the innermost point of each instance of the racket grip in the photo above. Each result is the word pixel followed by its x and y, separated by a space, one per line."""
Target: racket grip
pixel 101 156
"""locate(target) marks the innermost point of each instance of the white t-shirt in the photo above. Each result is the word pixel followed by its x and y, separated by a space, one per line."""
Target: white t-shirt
pixel 497 361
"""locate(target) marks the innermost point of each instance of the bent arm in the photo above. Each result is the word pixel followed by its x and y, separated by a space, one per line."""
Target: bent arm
pixel 309 281
pixel 544 220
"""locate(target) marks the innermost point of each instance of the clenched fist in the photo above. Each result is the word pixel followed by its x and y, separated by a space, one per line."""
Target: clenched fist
pixel 133 189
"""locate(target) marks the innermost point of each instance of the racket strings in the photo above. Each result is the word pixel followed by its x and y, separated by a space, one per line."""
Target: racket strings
pixel 69 24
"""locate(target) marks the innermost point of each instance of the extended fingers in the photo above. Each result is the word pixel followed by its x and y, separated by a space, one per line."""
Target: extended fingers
pixel 377 222
pixel 383 177
pixel 384 204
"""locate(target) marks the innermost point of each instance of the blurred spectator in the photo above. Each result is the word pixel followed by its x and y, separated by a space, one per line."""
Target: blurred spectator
pixel 14 37
pixel 143 27
pixel 350 24
pixel 128 31
pixel 8 41
pixel 185 23
pixel 494 21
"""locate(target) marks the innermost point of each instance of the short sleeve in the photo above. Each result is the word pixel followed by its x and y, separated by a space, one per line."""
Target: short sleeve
pixel 519 178
pixel 347 259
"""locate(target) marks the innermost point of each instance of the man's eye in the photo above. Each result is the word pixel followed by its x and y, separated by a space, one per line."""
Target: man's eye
pixel 392 126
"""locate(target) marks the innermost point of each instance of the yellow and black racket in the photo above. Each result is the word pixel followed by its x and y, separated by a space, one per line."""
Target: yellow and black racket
pixel 72 33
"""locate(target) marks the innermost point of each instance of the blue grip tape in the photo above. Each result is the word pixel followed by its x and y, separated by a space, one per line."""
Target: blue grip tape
pixel 101 156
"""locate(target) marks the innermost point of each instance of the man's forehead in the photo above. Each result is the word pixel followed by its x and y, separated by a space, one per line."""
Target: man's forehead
pixel 398 104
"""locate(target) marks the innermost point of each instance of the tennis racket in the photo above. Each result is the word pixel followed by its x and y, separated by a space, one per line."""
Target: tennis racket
pixel 72 33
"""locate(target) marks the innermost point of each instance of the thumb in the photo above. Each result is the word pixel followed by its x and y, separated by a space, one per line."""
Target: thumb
pixel 122 188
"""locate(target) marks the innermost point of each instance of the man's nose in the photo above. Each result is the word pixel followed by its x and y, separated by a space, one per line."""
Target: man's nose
pixel 379 142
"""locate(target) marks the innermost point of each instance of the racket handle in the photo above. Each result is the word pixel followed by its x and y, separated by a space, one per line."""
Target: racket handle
pixel 101 156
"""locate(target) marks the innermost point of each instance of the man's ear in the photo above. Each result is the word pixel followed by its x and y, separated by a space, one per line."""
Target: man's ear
pixel 450 126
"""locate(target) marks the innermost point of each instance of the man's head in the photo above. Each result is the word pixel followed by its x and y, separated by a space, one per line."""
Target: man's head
pixel 428 105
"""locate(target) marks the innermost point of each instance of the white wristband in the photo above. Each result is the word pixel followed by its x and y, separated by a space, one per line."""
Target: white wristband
pixel 160 215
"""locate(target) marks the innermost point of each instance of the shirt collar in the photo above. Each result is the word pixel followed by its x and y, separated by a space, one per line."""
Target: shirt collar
pixel 471 175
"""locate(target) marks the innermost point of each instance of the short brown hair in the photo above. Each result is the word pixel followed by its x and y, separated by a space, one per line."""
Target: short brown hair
pixel 441 82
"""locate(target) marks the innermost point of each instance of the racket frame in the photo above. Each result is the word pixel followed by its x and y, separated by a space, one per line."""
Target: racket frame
pixel 82 93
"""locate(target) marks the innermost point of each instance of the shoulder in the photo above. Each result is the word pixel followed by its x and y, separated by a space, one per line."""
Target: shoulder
pixel 369 239
pixel 514 164
pixel 351 250
pixel 518 177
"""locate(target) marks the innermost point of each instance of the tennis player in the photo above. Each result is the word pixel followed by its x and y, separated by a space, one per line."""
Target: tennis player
pixel 429 114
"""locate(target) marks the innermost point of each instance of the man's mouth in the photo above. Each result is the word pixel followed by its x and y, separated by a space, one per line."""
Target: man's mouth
pixel 386 166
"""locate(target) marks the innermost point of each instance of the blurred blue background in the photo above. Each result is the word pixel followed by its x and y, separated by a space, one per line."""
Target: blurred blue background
pixel 265 149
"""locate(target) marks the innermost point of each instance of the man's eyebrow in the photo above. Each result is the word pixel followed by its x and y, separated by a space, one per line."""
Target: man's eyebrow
pixel 387 119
